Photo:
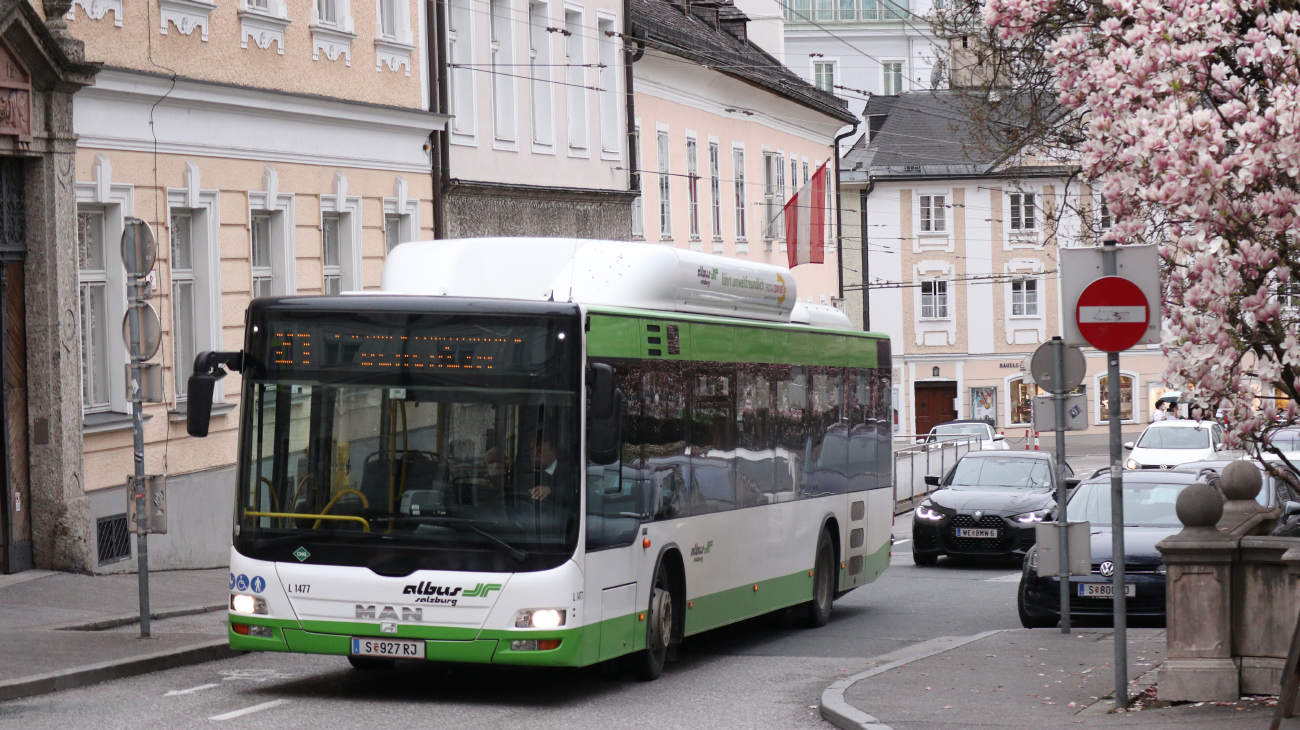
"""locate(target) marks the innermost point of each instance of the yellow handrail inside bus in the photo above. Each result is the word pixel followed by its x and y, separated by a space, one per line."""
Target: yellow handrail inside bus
pixel 299 515
pixel 271 491
pixel 364 503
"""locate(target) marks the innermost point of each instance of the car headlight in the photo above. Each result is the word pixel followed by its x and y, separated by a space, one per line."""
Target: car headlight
pixel 1132 464
pixel 542 618
pixel 926 512
pixel 1161 569
pixel 1035 516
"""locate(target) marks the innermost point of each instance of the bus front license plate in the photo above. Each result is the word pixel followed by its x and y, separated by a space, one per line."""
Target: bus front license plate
pixel 1104 590
pixel 395 648
pixel 977 532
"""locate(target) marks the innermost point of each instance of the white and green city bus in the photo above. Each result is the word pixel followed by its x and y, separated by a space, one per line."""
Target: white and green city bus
pixel 549 452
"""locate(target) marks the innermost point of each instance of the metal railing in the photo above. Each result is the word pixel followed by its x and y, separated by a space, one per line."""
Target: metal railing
pixel 913 462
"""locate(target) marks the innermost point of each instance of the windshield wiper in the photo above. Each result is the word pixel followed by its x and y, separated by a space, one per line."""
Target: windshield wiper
pixel 455 522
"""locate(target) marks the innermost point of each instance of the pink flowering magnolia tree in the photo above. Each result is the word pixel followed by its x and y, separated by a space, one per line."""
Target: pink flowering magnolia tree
pixel 1190 111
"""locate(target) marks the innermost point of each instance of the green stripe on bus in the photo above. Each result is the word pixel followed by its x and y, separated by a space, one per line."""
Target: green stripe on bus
pixel 737 604
pixel 624 335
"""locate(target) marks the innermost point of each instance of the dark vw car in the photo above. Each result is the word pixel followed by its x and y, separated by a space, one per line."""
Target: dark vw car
pixel 989 504
pixel 1149 517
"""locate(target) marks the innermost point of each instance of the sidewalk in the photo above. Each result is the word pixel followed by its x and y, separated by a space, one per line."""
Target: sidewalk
pixel 62 630
pixel 1022 679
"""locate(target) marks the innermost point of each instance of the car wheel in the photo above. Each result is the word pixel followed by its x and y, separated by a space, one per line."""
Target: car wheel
pixel 1028 620
pixel 925 558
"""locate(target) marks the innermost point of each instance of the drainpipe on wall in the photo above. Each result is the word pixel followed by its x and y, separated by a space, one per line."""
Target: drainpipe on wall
pixel 633 164
pixel 866 262
pixel 439 142
pixel 839 222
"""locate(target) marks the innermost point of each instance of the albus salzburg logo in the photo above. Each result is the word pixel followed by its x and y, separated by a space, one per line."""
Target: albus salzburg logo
pixel 446 595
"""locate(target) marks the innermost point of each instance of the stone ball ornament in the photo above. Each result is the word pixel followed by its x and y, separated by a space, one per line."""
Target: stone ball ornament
pixel 1199 505
pixel 1241 480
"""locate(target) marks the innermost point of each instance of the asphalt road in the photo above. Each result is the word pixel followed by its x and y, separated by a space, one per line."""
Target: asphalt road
pixel 758 674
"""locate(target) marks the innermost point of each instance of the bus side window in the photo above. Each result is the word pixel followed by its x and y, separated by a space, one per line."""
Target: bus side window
pixel 713 439
pixel 756 478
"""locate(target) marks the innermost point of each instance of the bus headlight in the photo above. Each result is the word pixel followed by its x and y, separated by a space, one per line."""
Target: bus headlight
pixel 540 618
pixel 240 603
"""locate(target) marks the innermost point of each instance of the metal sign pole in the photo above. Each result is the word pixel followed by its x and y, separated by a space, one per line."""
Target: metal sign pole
pixel 1118 580
pixel 1062 492
pixel 135 283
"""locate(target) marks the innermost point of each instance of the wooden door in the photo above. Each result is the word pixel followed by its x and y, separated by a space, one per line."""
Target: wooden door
pixel 934 405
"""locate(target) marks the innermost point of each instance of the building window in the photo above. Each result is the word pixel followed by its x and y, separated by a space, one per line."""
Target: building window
pixel 1104 219
pixel 263 269
pixel 327 11
pixel 934 299
pixel 715 194
pixel 1022 212
pixel 933 214
pixel 824 76
pixel 388 18
pixel 848 10
pixel 1024 298
pixel 1125 398
pixel 773 194
pixel 665 203
pixel 1022 401
pixel 392 232
pixel 460 42
pixel 892 84
pixel 262 5
pixel 638 204
pixel 607 82
pixel 1289 295
pixel 501 54
pixel 182 272
pixel 539 66
pixel 329 239
pixel 575 92
pixel 693 187
pixel 738 183
pixel 401 220
pixel 93 281
pixel 825 9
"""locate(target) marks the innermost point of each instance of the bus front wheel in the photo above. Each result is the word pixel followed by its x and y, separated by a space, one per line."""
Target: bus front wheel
pixel 648 663
pixel 819 608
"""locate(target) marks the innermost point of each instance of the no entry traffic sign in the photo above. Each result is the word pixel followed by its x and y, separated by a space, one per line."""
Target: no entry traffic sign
pixel 1112 314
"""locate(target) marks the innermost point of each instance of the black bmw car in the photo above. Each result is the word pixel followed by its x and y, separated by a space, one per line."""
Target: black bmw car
pixel 989 504
pixel 1149 517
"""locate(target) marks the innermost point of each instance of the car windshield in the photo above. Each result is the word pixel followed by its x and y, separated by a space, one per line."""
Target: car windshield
pixel 1191 437
pixel 1145 504
pixel 1285 440
pixel 961 429
pixel 410 441
pixel 1001 472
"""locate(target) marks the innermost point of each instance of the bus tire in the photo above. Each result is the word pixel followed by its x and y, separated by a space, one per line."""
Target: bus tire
pixel 371 663
pixel 819 608
pixel 648 663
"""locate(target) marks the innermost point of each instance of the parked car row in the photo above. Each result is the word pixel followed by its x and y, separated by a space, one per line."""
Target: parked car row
pixel 990 503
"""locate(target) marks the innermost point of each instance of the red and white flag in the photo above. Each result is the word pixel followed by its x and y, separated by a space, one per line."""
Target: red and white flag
pixel 806 220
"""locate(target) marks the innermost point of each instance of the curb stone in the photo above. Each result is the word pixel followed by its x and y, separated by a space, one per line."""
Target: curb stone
pixel 838 712
pixel 39 684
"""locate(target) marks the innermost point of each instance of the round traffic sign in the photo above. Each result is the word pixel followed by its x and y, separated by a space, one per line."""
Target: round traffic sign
pixel 1112 313
pixel 1041 368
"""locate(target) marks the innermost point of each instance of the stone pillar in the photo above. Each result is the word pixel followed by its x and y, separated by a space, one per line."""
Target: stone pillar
pixel 1199 664
pixel 1240 483
pixel 61 536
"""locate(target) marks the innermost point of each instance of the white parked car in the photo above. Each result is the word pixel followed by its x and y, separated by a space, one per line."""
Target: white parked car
pixel 990 440
pixel 1166 444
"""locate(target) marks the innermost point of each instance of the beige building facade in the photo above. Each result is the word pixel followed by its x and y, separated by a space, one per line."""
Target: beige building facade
pixel 275 148
pixel 960 259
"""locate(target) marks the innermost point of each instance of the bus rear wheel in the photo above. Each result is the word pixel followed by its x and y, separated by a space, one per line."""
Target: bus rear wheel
pixel 648 663
pixel 819 608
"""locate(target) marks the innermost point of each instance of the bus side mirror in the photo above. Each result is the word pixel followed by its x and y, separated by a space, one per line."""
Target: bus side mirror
pixel 605 435
pixel 208 369
pixel 600 380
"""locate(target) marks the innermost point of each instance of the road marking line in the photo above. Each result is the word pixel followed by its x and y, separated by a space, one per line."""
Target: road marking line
pixel 191 690
pixel 248 710
pixel 1011 578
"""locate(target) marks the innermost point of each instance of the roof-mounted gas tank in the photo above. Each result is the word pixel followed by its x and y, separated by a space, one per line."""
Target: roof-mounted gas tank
pixel 610 273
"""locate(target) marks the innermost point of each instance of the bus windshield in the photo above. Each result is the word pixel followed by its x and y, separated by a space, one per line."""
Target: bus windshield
pixel 402 441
